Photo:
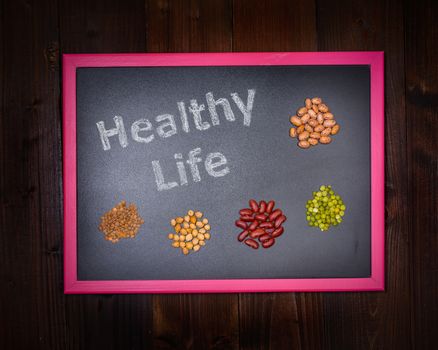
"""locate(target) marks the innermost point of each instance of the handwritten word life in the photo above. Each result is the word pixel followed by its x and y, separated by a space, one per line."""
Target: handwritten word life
pixel 165 126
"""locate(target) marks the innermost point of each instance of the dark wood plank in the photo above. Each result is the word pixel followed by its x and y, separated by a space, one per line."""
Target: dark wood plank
pixel 47 246
pixel 278 25
pixel 189 26
pixel 311 319
pixel 103 26
pixel 269 321
pixel 106 321
pixel 204 321
pixel 192 321
pixel 422 116
pixel 32 311
pixel 278 320
pixel 376 320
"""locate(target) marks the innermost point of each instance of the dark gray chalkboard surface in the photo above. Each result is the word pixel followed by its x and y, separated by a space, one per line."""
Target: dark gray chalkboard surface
pixel 264 163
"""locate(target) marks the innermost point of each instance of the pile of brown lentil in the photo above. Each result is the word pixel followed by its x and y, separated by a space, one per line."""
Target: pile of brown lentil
pixel 191 232
pixel 120 222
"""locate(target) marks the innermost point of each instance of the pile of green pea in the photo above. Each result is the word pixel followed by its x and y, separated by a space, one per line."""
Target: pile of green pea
pixel 325 209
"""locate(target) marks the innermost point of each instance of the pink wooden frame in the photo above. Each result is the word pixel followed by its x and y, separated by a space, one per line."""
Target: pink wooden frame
pixel 374 283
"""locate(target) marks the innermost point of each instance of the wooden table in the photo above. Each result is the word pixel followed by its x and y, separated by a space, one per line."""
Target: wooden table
pixel 34 312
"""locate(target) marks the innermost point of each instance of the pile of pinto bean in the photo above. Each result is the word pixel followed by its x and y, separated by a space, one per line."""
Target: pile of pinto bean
pixel 261 224
pixel 314 124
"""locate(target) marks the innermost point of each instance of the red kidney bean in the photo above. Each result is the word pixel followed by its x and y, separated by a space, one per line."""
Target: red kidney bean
pixel 251 243
pixel 261 223
pixel 254 206
pixel 243 235
pixel 241 224
pixel 275 214
pixel 269 243
pixel 245 212
pixel 265 237
pixel 253 225
pixel 277 232
pixel 279 221
pixel 262 207
pixel 266 224
pixel 270 206
pixel 257 233
pixel 260 217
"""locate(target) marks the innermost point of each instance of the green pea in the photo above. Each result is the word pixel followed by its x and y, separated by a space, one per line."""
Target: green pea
pixel 325 208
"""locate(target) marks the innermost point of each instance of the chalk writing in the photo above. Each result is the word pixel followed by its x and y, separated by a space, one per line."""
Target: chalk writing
pixel 165 126
pixel 215 165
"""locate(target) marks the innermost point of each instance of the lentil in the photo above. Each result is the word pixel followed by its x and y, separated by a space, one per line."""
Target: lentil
pixel 120 222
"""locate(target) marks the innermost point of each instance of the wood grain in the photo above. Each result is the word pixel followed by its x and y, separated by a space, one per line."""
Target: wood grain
pixel 279 25
pixel 269 321
pixel 47 247
pixel 18 190
pixel 30 227
pixel 422 116
pixel 189 26
pixel 35 314
pixel 201 321
pixel 101 26
pixel 376 320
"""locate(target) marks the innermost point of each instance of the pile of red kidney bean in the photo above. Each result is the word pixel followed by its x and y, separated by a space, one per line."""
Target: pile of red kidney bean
pixel 261 224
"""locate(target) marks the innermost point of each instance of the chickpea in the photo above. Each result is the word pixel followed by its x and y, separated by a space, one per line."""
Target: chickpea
pixel 191 231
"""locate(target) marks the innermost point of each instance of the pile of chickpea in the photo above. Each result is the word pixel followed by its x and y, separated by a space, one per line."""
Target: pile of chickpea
pixel 191 232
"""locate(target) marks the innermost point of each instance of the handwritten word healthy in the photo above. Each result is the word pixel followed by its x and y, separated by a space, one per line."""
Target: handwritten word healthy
pixel 165 125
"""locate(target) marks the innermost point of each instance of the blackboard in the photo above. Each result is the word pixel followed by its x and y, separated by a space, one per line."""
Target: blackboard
pixel 264 163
